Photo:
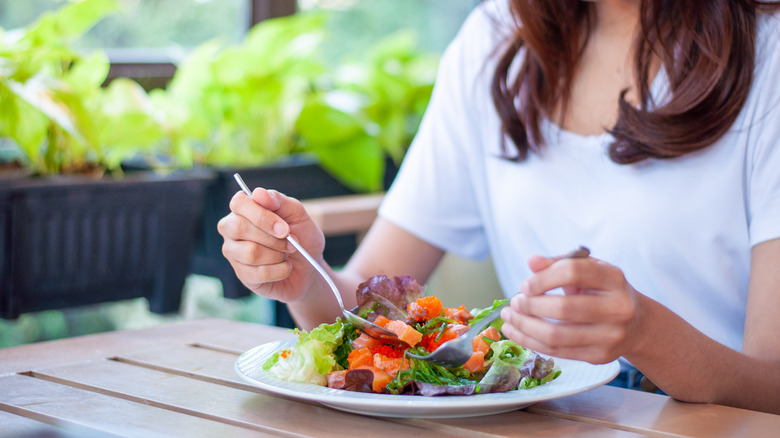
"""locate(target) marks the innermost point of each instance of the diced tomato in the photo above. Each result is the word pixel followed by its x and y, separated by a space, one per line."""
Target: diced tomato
pixel 360 356
pixel 424 309
pixel 476 362
pixel 405 332
pixel 459 314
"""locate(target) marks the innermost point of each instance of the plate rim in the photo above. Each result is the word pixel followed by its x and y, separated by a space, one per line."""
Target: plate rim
pixel 414 406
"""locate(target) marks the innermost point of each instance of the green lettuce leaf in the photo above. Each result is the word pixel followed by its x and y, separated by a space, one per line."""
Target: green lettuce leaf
pixel 311 358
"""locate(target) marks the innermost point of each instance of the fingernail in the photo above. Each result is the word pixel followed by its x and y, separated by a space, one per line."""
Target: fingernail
pixel 280 230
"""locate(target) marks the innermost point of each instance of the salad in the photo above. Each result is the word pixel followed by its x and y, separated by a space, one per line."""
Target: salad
pixel 338 356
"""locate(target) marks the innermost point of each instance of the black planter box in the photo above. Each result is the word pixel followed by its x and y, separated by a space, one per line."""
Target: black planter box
pixel 75 241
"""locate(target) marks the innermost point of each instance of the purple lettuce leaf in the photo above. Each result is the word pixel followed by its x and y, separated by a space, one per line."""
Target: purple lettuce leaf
pixel 359 380
pixel 537 366
pixel 380 295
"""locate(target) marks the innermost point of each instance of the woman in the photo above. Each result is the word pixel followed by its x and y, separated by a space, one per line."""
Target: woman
pixel 645 130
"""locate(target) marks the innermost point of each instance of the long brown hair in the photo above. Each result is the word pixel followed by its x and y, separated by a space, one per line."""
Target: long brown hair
pixel 707 49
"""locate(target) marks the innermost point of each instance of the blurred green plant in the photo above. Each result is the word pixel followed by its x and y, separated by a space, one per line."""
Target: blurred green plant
pixel 367 108
pixel 53 104
pixel 274 95
pixel 244 105
pixel 237 105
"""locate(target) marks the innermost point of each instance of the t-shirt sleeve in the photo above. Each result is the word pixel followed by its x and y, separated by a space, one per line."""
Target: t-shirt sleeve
pixel 764 174
pixel 433 196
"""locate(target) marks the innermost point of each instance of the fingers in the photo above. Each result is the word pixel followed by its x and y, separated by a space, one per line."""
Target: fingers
pixel 581 308
pixel 251 253
pixel 595 343
pixel 593 320
pixel 538 263
pixel 265 218
pixel 256 277
pixel 580 342
pixel 574 275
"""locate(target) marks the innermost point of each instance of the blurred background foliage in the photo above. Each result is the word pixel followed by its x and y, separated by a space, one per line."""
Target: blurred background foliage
pixel 165 31
pixel 176 25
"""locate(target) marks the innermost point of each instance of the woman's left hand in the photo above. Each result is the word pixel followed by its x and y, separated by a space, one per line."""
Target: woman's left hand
pixel 596 319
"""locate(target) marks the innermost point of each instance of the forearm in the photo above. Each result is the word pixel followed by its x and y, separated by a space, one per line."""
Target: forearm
pixel 690 366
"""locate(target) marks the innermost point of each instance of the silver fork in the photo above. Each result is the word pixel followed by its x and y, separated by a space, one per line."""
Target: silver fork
pixel 458 351
pixel 360 323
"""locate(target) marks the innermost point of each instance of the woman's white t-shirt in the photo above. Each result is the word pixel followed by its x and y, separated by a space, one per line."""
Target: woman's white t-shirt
pixel 680 229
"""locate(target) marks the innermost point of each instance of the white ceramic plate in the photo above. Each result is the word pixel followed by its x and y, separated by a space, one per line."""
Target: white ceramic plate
pixel 575 377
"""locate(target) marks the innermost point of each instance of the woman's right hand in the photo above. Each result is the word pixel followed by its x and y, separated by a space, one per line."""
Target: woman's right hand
pixel 255 244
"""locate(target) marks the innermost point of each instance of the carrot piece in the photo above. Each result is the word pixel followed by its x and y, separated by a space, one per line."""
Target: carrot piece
pixel 405 332
pixel 381 320
pixel 476 362
pixel 360 356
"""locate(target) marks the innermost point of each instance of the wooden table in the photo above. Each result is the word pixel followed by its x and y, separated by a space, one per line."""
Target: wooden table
pixel 178 381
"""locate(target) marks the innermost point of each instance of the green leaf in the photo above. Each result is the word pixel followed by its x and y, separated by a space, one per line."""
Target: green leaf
pixel 77 17
pixel 321 124
pixel 357 162
pixel 88 73
pixel 37 93
pixel 23 123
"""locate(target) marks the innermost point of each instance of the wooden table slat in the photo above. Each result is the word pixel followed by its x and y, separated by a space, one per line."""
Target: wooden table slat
pixel 12 425
pixel 179 380
pixel 235 335
pixel 31 397
pixel 659 413
pixel 190 360
pixel 216 402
